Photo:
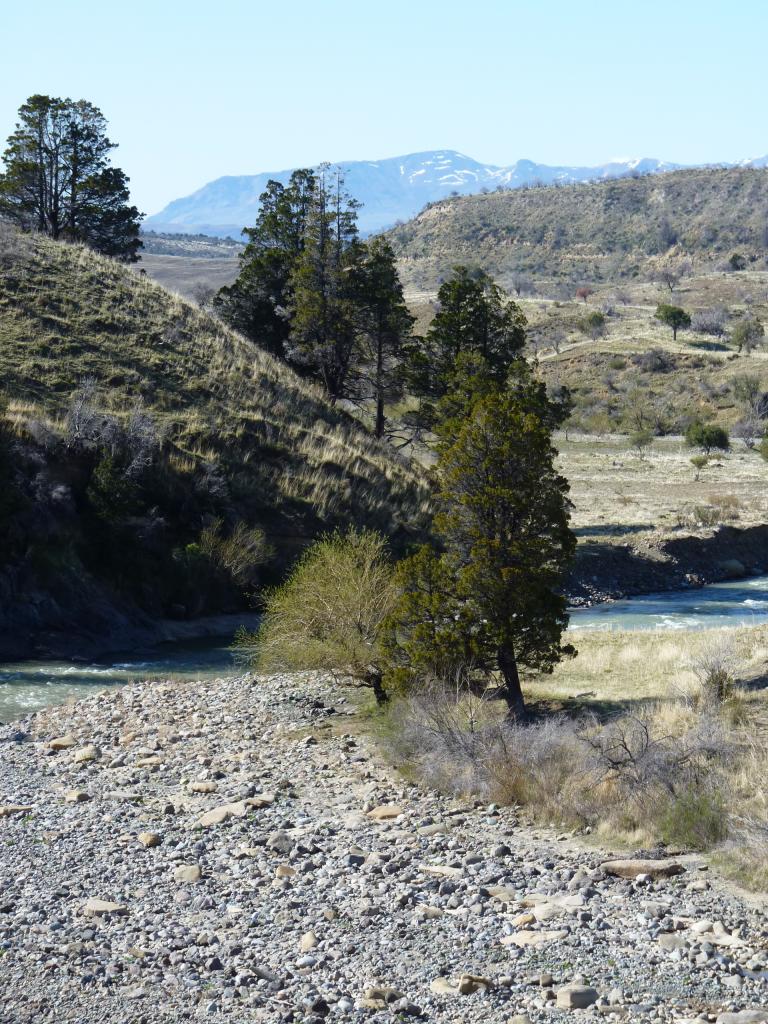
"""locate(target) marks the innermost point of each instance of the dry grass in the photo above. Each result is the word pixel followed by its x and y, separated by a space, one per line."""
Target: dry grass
pixel 627 746
pixel 67 314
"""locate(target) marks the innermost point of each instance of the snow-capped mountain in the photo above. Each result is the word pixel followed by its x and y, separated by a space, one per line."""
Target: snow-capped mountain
pixel 390 190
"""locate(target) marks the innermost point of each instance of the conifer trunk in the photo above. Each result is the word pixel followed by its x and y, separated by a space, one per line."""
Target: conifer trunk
pixel 512 692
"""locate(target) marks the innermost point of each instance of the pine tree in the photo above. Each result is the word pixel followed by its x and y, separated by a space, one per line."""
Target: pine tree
pixel 257 303
pixel 322 308
pixel 58 179
pixel 383 325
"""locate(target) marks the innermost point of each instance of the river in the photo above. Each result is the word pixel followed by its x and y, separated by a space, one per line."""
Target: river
pixel 27 686
pixel 736 603
pixel 30 685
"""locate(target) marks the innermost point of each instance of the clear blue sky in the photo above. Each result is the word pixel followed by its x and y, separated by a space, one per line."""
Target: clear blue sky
pixel 196 90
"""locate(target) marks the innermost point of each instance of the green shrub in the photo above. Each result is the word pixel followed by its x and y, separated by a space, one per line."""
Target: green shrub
pixel 328 614
pixel 707 436
pixel 695 819
pixel 593 325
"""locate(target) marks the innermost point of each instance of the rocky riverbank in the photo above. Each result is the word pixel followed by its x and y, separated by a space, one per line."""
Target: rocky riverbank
pixel 237 850
pixel 649 563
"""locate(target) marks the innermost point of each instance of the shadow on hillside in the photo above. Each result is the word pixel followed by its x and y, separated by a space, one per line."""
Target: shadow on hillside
pixel 612 530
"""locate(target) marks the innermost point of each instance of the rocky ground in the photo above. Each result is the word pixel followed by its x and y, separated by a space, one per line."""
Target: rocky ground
pixel 237 850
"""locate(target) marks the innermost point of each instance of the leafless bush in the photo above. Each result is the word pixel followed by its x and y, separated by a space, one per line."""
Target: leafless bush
pixel 714 666
pixel 710 321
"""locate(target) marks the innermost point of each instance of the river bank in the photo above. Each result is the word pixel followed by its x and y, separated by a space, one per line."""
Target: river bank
pixel 237 849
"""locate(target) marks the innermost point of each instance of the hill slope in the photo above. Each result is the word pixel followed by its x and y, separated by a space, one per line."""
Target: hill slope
pixel 594 232
pixel 234 436
pixel 390 190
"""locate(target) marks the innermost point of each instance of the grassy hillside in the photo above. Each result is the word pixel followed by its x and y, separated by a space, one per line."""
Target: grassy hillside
pixel 596 232
pixel 238 437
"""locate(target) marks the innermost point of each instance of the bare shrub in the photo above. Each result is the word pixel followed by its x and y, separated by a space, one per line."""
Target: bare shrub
pixel 714 666
pixel 713 322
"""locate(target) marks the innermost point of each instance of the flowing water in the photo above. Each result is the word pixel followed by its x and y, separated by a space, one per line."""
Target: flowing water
pixel 30 685
pixel 27 686
pixel 736 603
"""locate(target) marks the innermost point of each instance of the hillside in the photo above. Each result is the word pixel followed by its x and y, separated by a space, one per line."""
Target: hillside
pixel 590 232
pixel 390 190
pixel 217 432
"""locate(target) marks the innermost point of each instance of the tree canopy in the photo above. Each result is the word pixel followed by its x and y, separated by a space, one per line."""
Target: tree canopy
pixel 673 316
pixel 58 179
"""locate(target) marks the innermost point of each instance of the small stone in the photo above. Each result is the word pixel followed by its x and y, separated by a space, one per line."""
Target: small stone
pixel 149 839
pixel 85 754
pixel 96 908
pixel 188 874
pixel 285 871
pixel 632 868
pixel 383 993
pixel 202 787
pixel 443 987
pixel 755 1016
pixel 471 983
pixel 76 796
pixel 519 1018
pixel 576 997
pixel 8 809
pixel 307 942
pixel 223 813
pixel 62 743
pixel 385 812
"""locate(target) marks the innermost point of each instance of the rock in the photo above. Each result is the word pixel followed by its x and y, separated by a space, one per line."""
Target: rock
pixel 471 983
pixel 76 796
pixel 441 870
pixel 86 754
pixel 732 569
pixel 6 810
pixel 202 787
pixel 149 839
pixel 62 743
pixel 744 1017
pixel 443 987
pixel 188 874
pixel 383 994
pixel 672 941
pixel 632 868
pixel 149 762
pixel 385 812
pixel 533 938
pixel 285 871
pixel 307 941
pixel 97 908
pixel 519 1018
pixel 280 842
pixel 223 813
pixel 576 997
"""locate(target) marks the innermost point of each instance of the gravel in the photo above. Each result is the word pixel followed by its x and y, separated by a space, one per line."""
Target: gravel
pixel 238 850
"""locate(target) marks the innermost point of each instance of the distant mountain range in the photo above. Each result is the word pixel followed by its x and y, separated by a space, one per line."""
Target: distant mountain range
pixel 390 190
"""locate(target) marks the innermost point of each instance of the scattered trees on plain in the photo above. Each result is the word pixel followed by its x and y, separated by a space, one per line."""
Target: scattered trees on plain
pixel 673 316
pixel 58 179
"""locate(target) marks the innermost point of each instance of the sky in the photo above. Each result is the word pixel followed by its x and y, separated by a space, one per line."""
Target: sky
pixel 195 90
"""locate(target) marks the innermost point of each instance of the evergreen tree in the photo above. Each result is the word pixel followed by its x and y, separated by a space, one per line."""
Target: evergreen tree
pixel 492 599
pixel 58 180
pixel 323 300
pixel 473 316
pixel 383 324
pixel 257 303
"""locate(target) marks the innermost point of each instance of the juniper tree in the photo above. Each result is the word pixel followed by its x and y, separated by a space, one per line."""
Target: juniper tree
pixel 673 316
pixel 257 302
pixel 491 597
pixel 473 316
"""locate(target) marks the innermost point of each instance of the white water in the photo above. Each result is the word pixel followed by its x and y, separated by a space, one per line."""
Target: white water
pixel 736 603
pixel 27 686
